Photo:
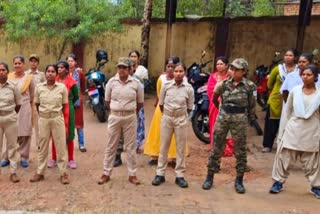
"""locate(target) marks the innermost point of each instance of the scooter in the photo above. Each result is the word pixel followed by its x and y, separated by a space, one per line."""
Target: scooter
pixel 200 112
pixel 96 86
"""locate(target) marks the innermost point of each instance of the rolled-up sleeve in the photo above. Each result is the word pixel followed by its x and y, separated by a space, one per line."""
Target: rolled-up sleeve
pixel 140 94
pixel 162 95
pixel 107 93
pixel 190 98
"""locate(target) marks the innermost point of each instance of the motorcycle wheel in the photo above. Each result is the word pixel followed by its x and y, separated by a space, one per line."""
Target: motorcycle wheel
pixel 101 113
pixel 257 127
pixel 200 126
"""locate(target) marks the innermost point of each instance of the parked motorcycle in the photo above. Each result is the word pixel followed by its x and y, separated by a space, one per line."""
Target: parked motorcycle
pixel 261 79
pixel 96 85
pixel 200 112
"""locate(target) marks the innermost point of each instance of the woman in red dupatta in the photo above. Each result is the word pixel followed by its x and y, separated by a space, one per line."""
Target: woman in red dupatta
pixel 220 74
pixel 68 114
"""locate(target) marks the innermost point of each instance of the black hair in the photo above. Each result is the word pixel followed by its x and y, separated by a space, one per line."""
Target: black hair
pixel 294 51
pixel 19 57
pixel 174 60
pixel 5 65
pixel 182 65
pixel 308 56
pixel 73 56
pixel 223 59
pixel 52 65
pixel 134 51
pixel 314 69
pixel 64 63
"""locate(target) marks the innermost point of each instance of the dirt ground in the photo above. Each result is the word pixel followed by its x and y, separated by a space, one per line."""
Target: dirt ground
pixel 84 195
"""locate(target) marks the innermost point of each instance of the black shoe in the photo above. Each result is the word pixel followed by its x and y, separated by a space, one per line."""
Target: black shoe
pixel 207 184
pixel 238 185
pixel 158 180
pixel 181 182
pixel 153 162
pixel 118 161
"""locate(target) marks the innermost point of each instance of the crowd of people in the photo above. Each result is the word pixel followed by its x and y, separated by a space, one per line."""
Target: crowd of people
pixel 52 102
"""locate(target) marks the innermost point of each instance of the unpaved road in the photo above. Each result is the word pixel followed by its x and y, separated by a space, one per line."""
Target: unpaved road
pixel 83 195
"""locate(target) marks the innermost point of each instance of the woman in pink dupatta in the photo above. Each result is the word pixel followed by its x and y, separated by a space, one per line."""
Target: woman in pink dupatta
pixel 220 74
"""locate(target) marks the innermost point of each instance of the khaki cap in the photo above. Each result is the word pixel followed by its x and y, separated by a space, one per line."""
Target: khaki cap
pixel 34 56
pixel 124 61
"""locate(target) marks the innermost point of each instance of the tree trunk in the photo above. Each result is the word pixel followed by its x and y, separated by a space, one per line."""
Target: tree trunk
pixel 145 34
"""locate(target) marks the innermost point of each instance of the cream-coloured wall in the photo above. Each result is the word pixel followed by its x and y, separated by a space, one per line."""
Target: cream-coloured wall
pixel 48 50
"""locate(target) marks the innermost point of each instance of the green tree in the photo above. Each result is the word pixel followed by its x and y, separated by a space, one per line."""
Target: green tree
pixel 71 20
pixel 263 8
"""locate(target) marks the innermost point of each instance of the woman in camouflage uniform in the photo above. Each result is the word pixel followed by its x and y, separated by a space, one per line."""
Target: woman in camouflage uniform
pixel 238 96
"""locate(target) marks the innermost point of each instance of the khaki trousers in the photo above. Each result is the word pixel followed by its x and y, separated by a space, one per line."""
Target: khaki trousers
pixel 36 125
pixel 24 143
pixel 55 128
pixel 128 124
pixel 9 128
pixel 178 126
pixel 310 161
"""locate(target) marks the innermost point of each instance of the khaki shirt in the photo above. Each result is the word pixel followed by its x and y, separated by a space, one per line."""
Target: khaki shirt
pixel 51 100
pixel 124 96
pixel 177 97
pixel 38 76
pixel 10 96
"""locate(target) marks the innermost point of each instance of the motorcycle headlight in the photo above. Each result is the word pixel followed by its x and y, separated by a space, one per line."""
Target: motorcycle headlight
pixel 95 100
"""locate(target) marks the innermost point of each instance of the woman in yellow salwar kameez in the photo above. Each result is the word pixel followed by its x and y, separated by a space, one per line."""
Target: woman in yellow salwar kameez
pixel 152 144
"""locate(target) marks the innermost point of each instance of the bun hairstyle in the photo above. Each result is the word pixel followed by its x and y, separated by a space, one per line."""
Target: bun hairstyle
pixel 136 52
pixel 173 59
pixel 64 63
pixel 52 65
pixel 182 65
pixel 19 57
pixel 73 56
pixel 314 69
pixel 307 56
pixel 223 59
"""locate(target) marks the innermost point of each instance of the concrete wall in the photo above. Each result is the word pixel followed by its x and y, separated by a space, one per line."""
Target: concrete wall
pixel 255 39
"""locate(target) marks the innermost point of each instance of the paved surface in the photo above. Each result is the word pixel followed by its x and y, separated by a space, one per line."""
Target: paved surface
pixel 83 195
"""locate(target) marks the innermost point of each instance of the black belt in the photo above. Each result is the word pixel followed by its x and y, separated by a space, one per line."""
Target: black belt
pixel 234 109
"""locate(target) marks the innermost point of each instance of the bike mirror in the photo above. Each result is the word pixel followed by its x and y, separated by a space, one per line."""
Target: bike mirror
pixel 315 52
pixel 203 53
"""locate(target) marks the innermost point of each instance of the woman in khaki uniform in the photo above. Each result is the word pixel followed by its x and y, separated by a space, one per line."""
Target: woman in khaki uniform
pixel 51 98
pixel 26 85
pixel 9 107
pixel 175 101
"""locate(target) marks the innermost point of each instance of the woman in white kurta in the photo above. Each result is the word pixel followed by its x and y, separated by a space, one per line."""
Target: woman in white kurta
pixel 301 137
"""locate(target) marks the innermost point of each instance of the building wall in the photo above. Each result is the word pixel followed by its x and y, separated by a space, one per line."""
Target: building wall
pixel 292 9
pixel 254 39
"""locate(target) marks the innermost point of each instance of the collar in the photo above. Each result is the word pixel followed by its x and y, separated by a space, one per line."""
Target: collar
pixel 46 83
pixel 30 72
pixel 130 78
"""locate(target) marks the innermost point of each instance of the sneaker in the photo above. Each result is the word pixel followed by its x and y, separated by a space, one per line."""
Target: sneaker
pixel 52 163
pixel 315 191
pixel 266 150
pixel 276 187
pixel 82 149
pixel 5 163
pixel 72 164
pixel 24 163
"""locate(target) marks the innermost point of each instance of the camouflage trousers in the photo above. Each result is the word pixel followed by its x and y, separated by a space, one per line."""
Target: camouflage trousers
pixel 237 125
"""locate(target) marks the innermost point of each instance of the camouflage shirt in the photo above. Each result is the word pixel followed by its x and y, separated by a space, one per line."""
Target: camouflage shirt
pixel 242 95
